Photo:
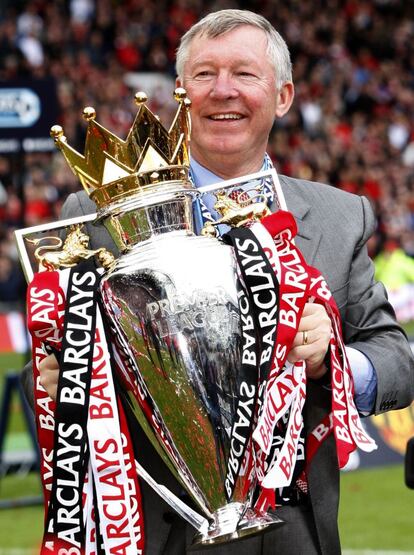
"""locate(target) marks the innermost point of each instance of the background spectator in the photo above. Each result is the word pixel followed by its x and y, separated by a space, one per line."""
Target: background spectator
pixel 396 270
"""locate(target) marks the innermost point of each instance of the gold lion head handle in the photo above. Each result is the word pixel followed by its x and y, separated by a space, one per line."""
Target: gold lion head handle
pixel 236 212
pixel 70 252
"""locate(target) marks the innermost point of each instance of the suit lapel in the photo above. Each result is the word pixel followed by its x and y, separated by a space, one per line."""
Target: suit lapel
pixel 309 235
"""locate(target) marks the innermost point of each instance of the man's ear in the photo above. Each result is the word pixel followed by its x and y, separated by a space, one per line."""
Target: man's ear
pixel 284 99
pixel 178 83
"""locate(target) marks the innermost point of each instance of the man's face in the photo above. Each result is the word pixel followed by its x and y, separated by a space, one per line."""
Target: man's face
pixel 232 87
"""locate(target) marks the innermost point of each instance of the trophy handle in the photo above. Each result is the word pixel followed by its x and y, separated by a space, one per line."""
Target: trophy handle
pixel 187 513
pixel 28 238
pixel 238 182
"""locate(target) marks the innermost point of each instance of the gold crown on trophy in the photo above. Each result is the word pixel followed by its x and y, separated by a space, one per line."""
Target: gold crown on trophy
pixel 112 168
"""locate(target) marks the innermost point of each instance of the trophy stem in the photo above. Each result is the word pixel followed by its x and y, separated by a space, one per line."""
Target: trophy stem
pixel 233 522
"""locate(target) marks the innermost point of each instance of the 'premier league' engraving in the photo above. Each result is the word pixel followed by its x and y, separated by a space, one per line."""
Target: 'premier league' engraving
pixel 187 312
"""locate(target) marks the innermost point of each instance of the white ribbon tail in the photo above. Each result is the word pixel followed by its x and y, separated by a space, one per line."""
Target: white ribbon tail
pixel 281 472
pixel 360 436
pixel 276 403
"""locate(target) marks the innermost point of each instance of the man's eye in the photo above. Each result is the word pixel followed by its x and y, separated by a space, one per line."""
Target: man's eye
pixel 203 74
pixel 245 74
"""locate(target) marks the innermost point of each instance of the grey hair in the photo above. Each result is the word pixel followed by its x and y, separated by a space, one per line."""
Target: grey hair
pixel 217 23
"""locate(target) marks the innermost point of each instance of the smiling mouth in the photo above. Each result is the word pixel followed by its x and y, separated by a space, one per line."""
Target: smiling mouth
pixel 225 117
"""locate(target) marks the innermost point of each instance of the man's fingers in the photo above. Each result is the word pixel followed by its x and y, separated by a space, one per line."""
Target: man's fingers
pixel 313 352
pixel 49 363
pixel 303 338
pixel 314 316
pixel 49 380
pixel 315 360
pixel 299 353
pixel 49 375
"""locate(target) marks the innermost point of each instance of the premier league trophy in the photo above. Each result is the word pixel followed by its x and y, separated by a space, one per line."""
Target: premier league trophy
pixel 171 301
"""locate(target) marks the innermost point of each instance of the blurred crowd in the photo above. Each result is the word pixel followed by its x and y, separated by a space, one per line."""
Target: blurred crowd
pixel 351 124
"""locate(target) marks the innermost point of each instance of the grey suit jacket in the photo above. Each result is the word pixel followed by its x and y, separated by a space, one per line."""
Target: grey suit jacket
pixel 333 228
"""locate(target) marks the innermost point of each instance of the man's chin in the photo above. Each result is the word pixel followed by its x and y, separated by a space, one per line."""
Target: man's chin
pixel 218 147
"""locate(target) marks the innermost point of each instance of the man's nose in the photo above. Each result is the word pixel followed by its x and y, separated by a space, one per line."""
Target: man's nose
pixel 224 87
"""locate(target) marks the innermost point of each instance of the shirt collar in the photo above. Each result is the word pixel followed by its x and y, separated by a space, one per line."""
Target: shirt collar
pixel 202 176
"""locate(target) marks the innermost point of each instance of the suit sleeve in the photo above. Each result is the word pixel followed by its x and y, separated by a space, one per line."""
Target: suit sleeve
pixel 370 327
pixel 71 207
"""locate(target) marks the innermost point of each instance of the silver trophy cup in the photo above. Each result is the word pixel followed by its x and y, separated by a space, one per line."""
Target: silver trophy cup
pixel 171 300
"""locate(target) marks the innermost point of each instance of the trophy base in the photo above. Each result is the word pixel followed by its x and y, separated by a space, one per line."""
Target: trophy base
pixel 226 529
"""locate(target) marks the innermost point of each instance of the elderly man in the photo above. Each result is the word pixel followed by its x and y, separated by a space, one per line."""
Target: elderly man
pixel 237 71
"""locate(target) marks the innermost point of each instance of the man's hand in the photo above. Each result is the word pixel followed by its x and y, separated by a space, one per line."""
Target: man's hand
pixel 312 340
pixel 49 374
